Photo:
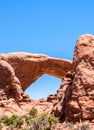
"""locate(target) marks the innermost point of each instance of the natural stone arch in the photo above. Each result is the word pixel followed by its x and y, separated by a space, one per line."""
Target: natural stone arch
pixel 29 67
pixel 26 68
pixel 20 70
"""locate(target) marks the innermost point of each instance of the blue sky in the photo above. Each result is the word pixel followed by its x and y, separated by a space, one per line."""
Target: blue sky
pixel 49 27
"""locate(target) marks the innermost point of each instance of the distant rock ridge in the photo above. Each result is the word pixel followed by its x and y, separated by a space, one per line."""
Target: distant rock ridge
pixel 74 100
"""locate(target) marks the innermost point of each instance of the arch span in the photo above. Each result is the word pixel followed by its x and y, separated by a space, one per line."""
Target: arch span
pixel 29 67
pixel 19 70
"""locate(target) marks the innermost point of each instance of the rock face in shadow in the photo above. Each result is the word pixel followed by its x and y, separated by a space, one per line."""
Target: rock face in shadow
pixel 63 97
pixel 76 94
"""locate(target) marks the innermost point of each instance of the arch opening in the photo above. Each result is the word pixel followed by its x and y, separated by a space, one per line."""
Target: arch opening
pixel 43 87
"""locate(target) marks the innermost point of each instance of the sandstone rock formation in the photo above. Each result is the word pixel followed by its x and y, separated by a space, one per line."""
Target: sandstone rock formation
pixel 76 94
pixel 83 83
pixel 19 70
pixel 63 96
pixel 74 100
pixel 29 67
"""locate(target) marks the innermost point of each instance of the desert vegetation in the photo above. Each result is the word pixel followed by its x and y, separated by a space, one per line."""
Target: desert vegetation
pixel 35 121
pixel 31 121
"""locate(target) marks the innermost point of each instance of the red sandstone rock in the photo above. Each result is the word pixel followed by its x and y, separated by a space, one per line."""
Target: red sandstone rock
pixel 74 100
pixel 63 96
pixel 29 67
pixel 18 71
pixel 77 99
pixel 83 83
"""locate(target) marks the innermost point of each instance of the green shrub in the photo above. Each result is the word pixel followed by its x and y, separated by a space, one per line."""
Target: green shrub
pixel 31 121
pixel 51 120
pixel 15 121
pixel 43 121
pixel 44 116
pixel 6 120
pixel 33 112
pixel 18 122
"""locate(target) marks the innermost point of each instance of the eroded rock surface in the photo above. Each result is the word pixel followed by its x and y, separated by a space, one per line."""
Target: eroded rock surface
pixel 83 83
pixel 75 98
pixel 29 67
pixel 18 71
